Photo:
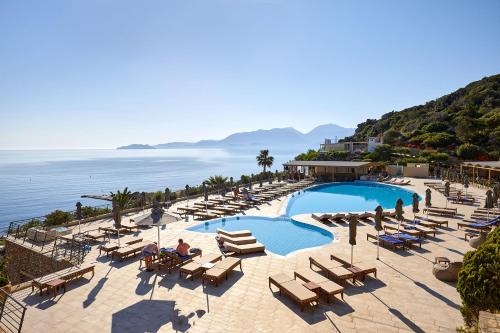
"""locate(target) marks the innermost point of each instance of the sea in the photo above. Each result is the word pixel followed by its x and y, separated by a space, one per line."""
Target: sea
pixel 36 182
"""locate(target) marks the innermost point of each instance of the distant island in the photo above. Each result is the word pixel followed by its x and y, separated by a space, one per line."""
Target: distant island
pixel 273 138
pixel 137 146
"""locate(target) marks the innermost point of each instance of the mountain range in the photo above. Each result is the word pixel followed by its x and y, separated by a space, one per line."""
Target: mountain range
pixel 287 137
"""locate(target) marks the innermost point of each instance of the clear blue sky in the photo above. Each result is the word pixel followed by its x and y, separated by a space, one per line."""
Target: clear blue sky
pixel 97 73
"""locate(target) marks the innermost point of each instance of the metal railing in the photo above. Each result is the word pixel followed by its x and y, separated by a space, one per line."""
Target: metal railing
pixel 11 313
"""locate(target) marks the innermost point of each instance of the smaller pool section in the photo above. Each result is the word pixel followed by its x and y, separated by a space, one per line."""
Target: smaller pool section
pixel 280 235
pixel 347 197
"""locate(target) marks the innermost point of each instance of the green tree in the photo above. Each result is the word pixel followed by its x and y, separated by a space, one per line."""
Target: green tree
pixel 439 140
pixel 382 153
pixel 310 155
pixel 57 217
pixel 122 198
pixel 217 182
pixel 264 160
pixel 391 137
pixel 468 151
pixel 479 279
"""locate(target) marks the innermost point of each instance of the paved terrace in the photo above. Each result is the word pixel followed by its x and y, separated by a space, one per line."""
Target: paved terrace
pixel 121 298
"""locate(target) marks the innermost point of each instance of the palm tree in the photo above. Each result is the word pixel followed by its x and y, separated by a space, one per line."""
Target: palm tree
pixel 264 159
pixel 217 181
pixel 120 202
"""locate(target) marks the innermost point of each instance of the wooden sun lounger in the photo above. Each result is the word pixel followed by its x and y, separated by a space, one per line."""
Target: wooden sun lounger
pixel 423 229
pixel 323 218
pixel 173 260
pixel 94 235
pixel 295 290
pixel 413 232
pixel 386 243
pixel 332 269
pixel 239 233
pixel 439 211
pixel 196 266
pixel 338 218
pixel 113 230
pixel 236 240
pixel 205 216
pixel 187 210
pixel 327 286
pixel 67 274
pixel 245 248
pixel 437 222
pixel 361 273
pixel 221 270
pixel 129 250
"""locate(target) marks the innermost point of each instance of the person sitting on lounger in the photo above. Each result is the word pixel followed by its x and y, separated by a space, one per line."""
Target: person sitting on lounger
pixel 183 248
pixel 236 192
pixel 149 251
pixel 459 196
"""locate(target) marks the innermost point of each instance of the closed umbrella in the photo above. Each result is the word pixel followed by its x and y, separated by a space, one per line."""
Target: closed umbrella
pixel 250 182
pixel 428 195
pixel 142 201
pixel 205 195
pixel 466 183
pixel 428 203
pixel 415 206
pixel 186 218
pixel 496 194
pixel 378 225
pixel 167 196
pixel 231 181
pixel 399 212
pixel 447 192
pixel 79 214
pixel 260 181
pixel 117 217
pixel 488 202
pixel 353 222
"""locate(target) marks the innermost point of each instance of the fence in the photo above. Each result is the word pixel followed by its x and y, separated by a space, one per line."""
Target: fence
pixel 11 313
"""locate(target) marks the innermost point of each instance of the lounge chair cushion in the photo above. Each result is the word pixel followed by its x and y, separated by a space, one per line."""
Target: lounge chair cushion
pixel 296 288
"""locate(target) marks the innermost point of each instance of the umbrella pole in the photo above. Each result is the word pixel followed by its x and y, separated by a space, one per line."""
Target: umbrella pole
pixel 352 251
pixel 118 233
pixel 159 236
pixel 79 227
pixel 378 244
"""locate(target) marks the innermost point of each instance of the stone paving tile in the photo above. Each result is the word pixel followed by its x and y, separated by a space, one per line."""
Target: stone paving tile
pixel 121 298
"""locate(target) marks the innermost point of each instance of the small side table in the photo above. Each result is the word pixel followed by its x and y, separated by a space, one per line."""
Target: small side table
pixel 314 287
pixel 54 286
pixel 443 260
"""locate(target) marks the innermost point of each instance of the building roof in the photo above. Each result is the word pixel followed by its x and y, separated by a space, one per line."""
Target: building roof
pixel 484 164
pixel 350 164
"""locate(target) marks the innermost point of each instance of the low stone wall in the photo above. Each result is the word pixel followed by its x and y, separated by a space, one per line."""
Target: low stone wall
pixel 22 258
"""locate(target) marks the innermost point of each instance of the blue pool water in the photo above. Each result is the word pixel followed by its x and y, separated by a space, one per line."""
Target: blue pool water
pixel 280 235
pixel 347 197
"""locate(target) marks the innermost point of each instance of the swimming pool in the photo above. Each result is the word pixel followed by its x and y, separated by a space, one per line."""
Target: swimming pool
pixel 347 197
pixel 280 235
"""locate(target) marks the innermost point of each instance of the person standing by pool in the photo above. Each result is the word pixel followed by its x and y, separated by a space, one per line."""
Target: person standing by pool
pixel 183 248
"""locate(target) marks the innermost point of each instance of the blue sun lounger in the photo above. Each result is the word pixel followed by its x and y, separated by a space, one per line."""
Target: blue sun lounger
pixel 388 241
pixel 408 239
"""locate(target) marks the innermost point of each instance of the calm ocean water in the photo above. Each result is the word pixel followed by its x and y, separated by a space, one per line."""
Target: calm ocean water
pixel 35 182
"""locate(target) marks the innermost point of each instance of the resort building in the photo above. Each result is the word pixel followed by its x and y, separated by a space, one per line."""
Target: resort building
pixel 351 146
pixel 330 170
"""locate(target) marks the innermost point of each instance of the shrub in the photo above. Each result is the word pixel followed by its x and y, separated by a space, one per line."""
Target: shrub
pixel 435 126
pixel 479 279
pixel 391 137
pixel 439 139
pixel 468 151
pixel 382 153
pixel 57 217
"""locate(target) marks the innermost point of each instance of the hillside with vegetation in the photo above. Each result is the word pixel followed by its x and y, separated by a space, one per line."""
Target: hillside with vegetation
pixel 464 124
